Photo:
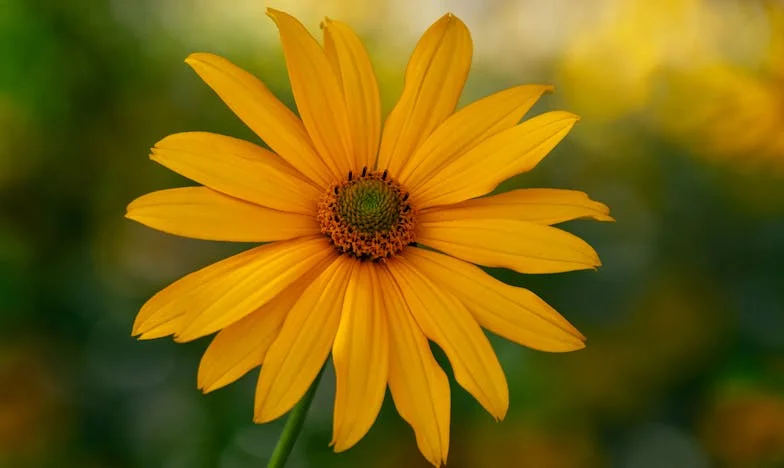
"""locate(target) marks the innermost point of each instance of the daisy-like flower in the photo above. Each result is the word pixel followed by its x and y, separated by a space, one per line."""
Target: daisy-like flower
pixel 346 211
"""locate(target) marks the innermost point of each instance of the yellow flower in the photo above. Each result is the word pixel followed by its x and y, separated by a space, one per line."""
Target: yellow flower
pixel 347 209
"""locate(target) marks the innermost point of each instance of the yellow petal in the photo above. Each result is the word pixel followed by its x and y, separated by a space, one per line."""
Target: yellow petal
pixel 237 168
pixel 517 314
pixel 360 88
pixel 539 206
pixel 302 346
pixel 468 127
pixel 519 245
pixel 201 213
pixel 418 385
pixel 434 80
pixel 501 156
pixel 317 92
pixel 214 297
pixel 446 321
pixel 263 113
pixel 242 345
pixel 361 358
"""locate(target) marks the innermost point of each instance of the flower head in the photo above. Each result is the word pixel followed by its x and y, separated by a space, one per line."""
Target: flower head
pixel 346 210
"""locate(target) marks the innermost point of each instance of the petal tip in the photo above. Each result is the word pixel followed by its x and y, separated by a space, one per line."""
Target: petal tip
pixel 275 14
pixel 576 343
pixel 339 447
pixel 345 440
pixel 450 19
pixel 263 411
pixel 570 116
pixel 149 333
pixel 201 384
pixel 199 58
pixel 581 339
pixel 500 415
pixel 561 115
pixel 186 335
pixel 454 20
pixel 263 416
pixel 138 330
pixel 207 387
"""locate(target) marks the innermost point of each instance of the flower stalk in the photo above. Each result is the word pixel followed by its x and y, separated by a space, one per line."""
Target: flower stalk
pixel 293 426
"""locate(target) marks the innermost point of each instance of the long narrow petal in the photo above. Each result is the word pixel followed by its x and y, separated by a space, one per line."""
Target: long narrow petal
pixel 263 113
pixel 419 387
pixel 446 321
pixel 214 297
pixel 360 88
pixel 302 346
pixel 501 156
pixel 517 314
pixel 435 77
pixel 317 92
pixel 202 213
pixel 237 168
pixel 361 358
pixel 241 346
pixel 539 206
pixel 519 245
pixel 468 127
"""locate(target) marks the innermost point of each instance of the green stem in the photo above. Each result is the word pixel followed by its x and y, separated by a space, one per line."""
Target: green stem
pixel 293 426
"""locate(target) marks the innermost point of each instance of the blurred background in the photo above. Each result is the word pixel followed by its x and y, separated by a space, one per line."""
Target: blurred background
pixel 682 136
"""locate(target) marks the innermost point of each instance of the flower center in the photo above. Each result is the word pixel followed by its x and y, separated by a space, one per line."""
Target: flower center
pixel 369 217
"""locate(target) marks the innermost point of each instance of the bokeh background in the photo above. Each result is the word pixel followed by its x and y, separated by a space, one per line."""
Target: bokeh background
pixel 682 136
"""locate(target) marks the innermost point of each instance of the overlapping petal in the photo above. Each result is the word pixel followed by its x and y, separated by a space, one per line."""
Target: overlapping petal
pixel 216 296
pixel 434 80
pixel 303 344
pixel 539 206
pixel 466 128
pixel 243 345
pixel 263 113
pixel 510 152
pixel 318 94
pixel 201 213
pixel 519 245
pixel 360 89
pixel 517 314
pixel 446 321
pixel 286 305
pixel 418 385
pixel 361 358
pixel 237 168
